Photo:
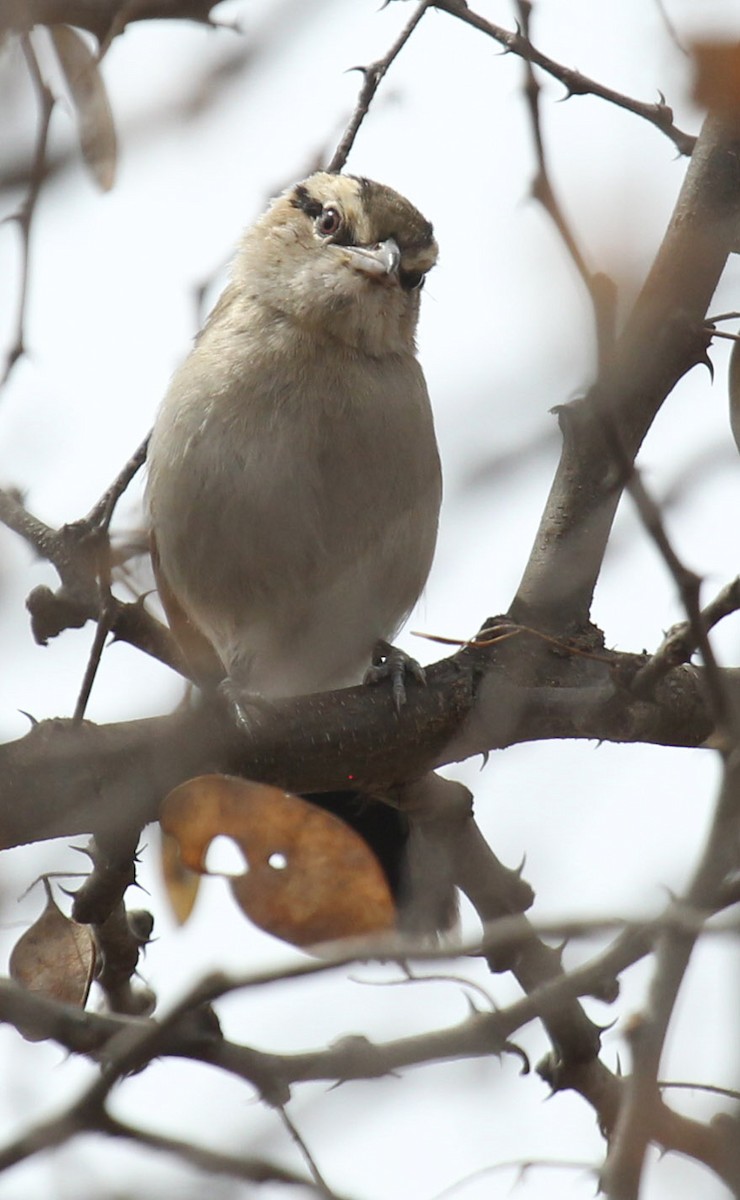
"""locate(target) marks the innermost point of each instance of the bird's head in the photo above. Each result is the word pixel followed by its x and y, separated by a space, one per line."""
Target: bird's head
pixel 344 259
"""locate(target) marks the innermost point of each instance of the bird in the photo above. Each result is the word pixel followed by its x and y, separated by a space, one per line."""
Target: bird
pixel 294 481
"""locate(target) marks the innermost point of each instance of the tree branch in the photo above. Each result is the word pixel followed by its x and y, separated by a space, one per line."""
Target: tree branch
pixel 662 340
pixel 576 84
pixel 372 76
pixel 600 288
pixel 25 215
pixel 63 779
pixel 100 16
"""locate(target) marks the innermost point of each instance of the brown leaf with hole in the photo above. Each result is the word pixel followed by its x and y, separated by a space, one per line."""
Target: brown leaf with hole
pixel 181 884
pixel 55 957
pixel 717 76
pixel 310 877
pixel 96 130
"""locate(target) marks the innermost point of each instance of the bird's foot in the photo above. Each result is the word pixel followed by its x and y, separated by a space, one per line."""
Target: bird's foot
pixel 246 708
pixel 391 663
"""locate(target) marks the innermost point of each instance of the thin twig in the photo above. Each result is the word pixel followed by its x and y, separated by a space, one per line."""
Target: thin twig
pixel 105 622
pixel 522 1167
pixel 372 78
pixel 670 27
pixel 306 1154
pixel 24 216
pixel 726 316
pixel 98 523
pixel 689 585
pixel 660 115
pixel 600 287
pixel 680 643
pixel 720 333
pixel 691 1086
pixel 100 515
pixel 212 1162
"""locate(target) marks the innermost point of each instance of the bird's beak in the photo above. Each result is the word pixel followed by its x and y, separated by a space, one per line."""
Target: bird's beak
pixel 378 261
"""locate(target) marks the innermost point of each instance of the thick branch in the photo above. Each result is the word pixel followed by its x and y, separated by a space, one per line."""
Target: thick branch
pixel 662 340
pixel 64 779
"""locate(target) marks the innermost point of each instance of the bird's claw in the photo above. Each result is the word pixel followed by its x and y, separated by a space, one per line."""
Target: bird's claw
pixel 391 663
pixel 246 708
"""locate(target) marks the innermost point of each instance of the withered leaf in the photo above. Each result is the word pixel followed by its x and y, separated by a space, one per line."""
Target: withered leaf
pixel 310 877
pixel 181 884
pixel 55 957
pixel 717 76
pixel 95 126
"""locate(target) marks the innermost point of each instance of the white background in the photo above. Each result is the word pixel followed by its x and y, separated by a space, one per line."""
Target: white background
pixel 505 335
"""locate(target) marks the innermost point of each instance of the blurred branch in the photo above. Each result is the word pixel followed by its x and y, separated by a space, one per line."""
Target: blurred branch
pixel 372 78
pixel 600 287
pixel 81 554
pixel 670 28
pixel 719 861
pixel 24 216
pixel 688 584
pixel 100 17
pixel 659 115
pixel 247 1168
pixel 189 1031
pixel 718 864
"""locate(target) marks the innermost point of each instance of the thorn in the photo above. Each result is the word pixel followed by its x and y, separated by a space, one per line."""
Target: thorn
pixel 29 715
pixel 474 1010
pixel 704 360
pixel 84 850
pixel 512 1048
pixel 485 755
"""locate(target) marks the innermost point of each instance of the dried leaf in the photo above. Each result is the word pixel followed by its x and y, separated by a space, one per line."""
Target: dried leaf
pixel 717 76
pixel 180 883
pixel 94 117
pixel 55 957
pixel 310 877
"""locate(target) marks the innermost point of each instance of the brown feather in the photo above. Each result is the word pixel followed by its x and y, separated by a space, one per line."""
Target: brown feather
pixel 205 665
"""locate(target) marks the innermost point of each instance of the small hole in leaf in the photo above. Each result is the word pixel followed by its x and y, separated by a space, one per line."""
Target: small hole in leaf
pixel 277 861
pixel 224 857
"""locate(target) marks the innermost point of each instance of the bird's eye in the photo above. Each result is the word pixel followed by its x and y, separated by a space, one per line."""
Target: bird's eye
pixel 411 280
pixel 329 222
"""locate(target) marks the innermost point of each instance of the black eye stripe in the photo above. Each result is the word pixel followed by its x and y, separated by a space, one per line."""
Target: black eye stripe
pixel 303 200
